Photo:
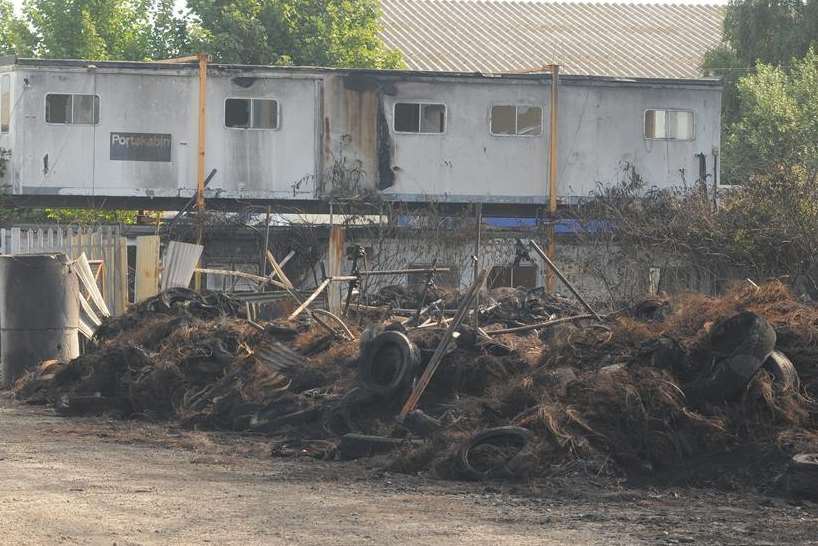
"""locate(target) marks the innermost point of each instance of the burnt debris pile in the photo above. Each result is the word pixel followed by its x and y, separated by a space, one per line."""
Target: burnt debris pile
pixel 692 388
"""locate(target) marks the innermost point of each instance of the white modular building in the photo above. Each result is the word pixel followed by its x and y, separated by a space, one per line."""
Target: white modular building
pixel 127 133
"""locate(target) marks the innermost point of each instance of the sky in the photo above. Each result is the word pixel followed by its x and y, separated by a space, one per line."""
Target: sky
pixel 181 3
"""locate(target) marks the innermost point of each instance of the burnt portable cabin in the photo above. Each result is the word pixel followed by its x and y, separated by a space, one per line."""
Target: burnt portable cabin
pixel 127 133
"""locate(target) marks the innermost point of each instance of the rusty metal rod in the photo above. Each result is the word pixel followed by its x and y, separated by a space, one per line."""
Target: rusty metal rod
pixel 562 277
pixel 242 274
pixel 440 351
pixel 529 327
pixel 406 271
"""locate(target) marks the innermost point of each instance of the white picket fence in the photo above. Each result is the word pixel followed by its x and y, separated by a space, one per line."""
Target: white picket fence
pixel 103 246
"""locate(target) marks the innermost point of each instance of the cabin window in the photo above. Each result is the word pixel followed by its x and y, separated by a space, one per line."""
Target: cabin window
pixel 5 103
pixel 251 113
pixel 518 120
pixel 72 109
pixel 413 117
pixel 669 124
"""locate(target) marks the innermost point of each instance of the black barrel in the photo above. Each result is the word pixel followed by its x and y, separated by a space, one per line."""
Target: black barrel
pixel 39 312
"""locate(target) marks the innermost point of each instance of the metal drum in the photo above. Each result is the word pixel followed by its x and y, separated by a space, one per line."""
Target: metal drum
pixel 39 312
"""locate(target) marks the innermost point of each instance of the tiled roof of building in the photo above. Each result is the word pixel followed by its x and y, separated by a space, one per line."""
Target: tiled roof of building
pixel 492 36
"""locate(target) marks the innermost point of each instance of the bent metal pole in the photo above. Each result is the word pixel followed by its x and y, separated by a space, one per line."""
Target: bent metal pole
pixel 562 277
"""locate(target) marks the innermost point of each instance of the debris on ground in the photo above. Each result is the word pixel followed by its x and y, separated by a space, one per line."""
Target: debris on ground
pixel 690 389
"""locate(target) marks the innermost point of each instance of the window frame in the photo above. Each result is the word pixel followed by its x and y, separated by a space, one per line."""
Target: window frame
pixel 670 139
pixel 516 120
pixel 251 99
pixel 5 78
pixel 421 104
pixel 92 124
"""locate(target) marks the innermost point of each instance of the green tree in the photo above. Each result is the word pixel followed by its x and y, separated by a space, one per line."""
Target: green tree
pixel 768 31
pixel 103 29
pixel 299 32
pixel 778 123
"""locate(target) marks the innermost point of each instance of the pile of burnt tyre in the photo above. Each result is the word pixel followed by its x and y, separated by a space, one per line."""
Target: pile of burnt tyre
pixel 709 391
pixel 691 388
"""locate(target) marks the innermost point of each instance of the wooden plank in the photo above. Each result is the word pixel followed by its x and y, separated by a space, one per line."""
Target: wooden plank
pixel 15 241
pixel 108 272
pixel 146 276
pixel 335 261
pixel 122 277
pixel 278 271
pixel 309 300
pixel 86 277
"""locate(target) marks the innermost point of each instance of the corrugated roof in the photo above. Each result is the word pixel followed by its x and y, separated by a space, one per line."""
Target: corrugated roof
pixel 624 40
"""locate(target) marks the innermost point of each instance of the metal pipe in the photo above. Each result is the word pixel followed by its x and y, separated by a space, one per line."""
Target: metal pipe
pixel 200 166
pixel 479 214
pixel 550 281
pixel 405 271
pixel 562 277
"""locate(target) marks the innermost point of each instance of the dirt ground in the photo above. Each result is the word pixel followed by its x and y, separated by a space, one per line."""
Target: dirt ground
pixel 97 481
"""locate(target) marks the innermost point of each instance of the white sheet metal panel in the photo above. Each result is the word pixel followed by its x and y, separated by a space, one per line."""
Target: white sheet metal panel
pixel 336 118
pixel 179 263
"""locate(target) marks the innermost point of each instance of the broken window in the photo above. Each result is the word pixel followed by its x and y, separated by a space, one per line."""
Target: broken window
pixel 72 109
pixel 516 120
pixel 5 103
pixel 420 118
pixel 669 124
pixel 251 113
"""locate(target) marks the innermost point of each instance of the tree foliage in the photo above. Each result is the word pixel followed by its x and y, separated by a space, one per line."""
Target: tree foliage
pixel 300 32
pixel 768 70
pixel 305 32
pixel 778 123
pixel 103 29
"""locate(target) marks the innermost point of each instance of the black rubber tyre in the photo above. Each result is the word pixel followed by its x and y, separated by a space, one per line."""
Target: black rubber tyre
pixel 743 334
pixel 802 478
pixel 387 363
pixel 509 437
pixel 783 371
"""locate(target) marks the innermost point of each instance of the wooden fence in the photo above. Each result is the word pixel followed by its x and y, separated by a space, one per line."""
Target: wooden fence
pixel 104 247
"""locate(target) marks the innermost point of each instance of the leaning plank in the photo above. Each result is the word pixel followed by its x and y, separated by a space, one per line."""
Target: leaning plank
pixel 309 300
pixel 86 277
pixel 278 270
pixel 86 329
pixel 88 312
pixel 440 351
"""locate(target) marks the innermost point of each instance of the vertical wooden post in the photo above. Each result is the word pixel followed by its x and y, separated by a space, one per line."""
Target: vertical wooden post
pixel 146 277
pixel 122 273
pixel 335 260
pixel 551 280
